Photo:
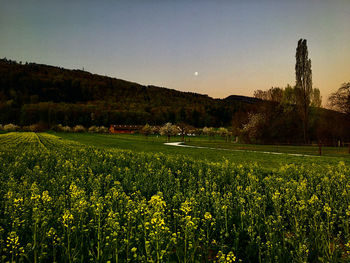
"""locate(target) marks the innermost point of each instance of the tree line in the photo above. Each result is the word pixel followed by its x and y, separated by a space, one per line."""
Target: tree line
pixel 47 96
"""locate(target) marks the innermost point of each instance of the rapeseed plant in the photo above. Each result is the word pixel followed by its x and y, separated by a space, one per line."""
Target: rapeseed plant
pixel 62 201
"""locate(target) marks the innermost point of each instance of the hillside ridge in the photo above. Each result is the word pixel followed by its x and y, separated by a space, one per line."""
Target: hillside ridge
pixel 44 93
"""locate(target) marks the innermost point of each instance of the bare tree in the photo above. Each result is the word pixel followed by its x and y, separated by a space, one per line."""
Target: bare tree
pixel 260 94
pixel 303 76
pixel 340 100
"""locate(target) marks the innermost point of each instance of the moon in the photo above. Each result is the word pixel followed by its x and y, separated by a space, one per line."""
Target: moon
pixel 196 73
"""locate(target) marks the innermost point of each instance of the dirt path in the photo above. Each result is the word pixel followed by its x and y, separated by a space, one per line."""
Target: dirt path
pixel 181 144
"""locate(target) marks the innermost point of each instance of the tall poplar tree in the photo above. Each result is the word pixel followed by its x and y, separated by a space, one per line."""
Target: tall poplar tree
pixel 303 85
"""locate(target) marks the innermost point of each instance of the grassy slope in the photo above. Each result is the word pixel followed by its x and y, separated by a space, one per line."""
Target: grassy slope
pixel 156 144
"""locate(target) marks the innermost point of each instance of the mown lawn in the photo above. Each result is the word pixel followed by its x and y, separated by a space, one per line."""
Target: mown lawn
pixel 245 154
pixel 307 150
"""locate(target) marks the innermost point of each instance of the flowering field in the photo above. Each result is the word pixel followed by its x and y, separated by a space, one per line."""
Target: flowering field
pixel 62 201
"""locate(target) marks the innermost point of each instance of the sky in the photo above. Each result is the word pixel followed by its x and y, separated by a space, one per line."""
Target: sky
pixel 219 48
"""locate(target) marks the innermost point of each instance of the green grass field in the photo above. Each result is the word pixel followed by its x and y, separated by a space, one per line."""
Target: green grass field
pixel 154 144
pixel 306 150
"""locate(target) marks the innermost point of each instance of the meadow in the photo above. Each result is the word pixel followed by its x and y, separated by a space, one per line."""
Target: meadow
pixel 233 152
pixel 124 198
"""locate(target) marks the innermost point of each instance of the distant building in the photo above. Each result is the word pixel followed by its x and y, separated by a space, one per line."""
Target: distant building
pixel 129 129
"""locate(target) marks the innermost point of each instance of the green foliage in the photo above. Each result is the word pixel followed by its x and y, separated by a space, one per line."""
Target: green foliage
pixel 63 201
pixel 288 96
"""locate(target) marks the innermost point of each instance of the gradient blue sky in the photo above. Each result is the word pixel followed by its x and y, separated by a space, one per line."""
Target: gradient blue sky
pixel 235 46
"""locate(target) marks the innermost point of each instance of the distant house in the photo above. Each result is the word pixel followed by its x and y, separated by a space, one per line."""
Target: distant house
pixel 130 129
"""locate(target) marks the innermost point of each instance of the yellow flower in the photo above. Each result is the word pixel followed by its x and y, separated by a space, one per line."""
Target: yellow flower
pixel 67 218
pixel 186 207
pixel 45 197
pixel 327 209
pixel 207 216
pixel 313 199
pixel 348 211
pixel 230 257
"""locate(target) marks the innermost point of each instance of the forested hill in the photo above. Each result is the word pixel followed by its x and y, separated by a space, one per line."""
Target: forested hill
pixel 32 93
pixel 235 98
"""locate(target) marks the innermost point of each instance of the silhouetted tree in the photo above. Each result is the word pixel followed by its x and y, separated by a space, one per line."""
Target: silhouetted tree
pixel 289 95
pixel 340 100
pixel 316 98
pixel 303 83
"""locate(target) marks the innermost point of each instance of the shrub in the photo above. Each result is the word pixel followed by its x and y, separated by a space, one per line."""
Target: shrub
pixel 93 129
pixel 98 129
pixel 11 127
pixel 78 128
pixel 102 129
pixel 66 129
